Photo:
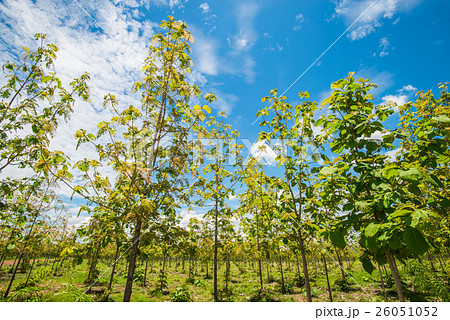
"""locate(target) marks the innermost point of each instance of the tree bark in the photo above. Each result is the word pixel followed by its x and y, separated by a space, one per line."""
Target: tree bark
pixel 215 252
pixel 13 277
pixel 31 269
pixel 113 269
pixel 281 271
pixel 382 283
pixel 132 263
pixel 395 275
pixel 305 266
pixel 341 266
pixel 328 279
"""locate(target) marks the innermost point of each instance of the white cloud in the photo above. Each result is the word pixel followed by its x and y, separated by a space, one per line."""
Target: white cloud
pixel 187 215
pixel 225 101
pixel 397 100
pixel 112 49
pixel 392 155
pixel 408 88
pixel 262 152
pixel 197 78
pixel 385 46
pixel 205 7
pixel 204 52
pixel 246 36
pixel 373 18
pixel 76 222
pixel 403 96
pixel 298 21
pixel 232 197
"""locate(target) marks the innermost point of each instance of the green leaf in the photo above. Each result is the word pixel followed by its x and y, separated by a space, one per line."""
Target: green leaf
pixel 415 241
pixel 442 118
pixel 435 181
pixel 395 241
pixel 368 266
pixel 412 175
pixel 417 216
pixel 403 211
pixel 371 230
pixel 337 238
pixel 390 172
pixel 328 170
pixel 207 109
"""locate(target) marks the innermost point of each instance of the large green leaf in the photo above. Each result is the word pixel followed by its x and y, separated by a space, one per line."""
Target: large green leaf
pixel 415 241
pixel 442 118
pixel 371 230
pixel 412 175
pixel 368 266
pixel 403 211
pixel 395 241
pixel 390 172
pixel 338 239
pixel 328 170
pixel 435 181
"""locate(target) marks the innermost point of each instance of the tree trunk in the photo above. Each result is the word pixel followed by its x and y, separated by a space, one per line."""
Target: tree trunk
pixel 93 266
pixel 31 269
pixel 216 222
pixel 132 264
pixel 382 283
pixel 281 271
pixel 145 272
pixel 395 275
pixel 13 277
pixel 113 269
pixel 341 266
pixel 305 266
pixel 442 266
pixel 328 279
pixel 431 262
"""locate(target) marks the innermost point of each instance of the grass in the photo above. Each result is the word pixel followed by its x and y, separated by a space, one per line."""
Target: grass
pixel 68 284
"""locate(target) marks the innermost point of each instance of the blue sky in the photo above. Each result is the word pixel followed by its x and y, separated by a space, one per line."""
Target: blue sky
pixel 242 49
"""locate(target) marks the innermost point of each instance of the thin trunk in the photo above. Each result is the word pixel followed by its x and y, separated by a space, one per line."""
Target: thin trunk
pixel 216 226
pixel 382 283
pixel 31 269
pixel 431 262
pixel 111 277
pixel 298 266
pixel 305 267
pixel 145 272
pixel 47 258
pixel 328 280
pixel 442 266
pixel 13 277
pixel 281 271
pixel 132 264
pixel 92 266
pixel 2 259
pixel 341 266
pixel 227 274
pixel 395 275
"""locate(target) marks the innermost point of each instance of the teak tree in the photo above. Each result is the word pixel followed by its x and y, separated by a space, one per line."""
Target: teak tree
pixel 148 148
pixel 293 129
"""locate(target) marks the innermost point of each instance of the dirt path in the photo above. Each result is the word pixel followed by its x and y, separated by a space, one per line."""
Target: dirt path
pixel 11 262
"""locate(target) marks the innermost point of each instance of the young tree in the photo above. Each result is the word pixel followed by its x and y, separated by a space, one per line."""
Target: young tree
pixel 293 129
pixel 148 148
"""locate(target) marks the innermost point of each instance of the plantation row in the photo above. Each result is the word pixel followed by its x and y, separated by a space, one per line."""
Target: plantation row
pixel 338 204
pixel 182 279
